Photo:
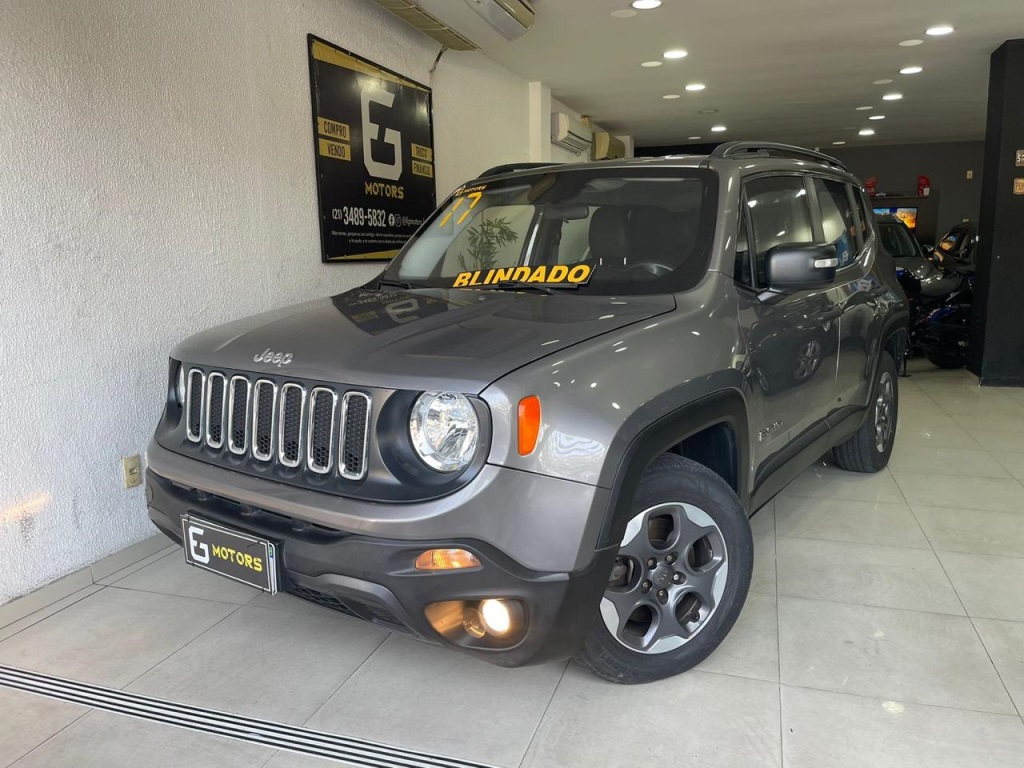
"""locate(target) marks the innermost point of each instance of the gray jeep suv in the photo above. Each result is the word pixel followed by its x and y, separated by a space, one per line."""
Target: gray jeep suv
pixel 540 431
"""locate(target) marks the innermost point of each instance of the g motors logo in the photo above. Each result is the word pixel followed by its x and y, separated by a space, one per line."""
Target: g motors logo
pixel 244 559
pixel 576 274
pixel 274 358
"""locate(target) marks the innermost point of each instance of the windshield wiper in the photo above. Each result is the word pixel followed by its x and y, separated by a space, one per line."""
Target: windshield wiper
pixel 515 285
pixel 395 284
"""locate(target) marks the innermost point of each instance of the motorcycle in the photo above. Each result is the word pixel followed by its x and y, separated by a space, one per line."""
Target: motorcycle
pixel 939 285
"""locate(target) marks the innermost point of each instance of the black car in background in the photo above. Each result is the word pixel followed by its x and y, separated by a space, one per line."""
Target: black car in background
pixel 939 284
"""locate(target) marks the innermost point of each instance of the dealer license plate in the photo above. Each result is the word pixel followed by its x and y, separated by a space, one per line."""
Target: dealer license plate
pixel 239 556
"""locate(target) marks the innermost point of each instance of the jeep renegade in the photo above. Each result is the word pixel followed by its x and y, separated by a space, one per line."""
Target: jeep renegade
pixel 540 431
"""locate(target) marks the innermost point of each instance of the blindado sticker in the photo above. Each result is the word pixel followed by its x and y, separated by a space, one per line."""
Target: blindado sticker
pixel 572 274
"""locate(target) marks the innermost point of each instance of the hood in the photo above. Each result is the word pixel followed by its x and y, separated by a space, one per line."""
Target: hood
pixel 415 339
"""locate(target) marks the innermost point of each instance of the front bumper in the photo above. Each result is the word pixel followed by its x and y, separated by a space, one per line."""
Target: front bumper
pixel 374 578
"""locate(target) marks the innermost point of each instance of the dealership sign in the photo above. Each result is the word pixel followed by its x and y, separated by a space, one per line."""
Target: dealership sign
pixel 374 154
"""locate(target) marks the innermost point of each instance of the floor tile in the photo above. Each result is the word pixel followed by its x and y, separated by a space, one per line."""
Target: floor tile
pixel 926 432
pixel 938 460
pixel 926 658
pixel 113 636
pixel 424 697
pixel 9 630
pixel 840 731
pixel 751 649
pixel 973 531
pixel 951 490
pixel 992 419
pixel 265 663
pixel 29 720
pixel 827 480
pixel 999 442
pixel 171 575
pixel 860 522
pixel 285 759
pixel 128 571
pixel 865 574
pixel 105 740
pixel 990 587
pixel 696 718
pixel 1012 462
pixel 1005 643
pixel 762 525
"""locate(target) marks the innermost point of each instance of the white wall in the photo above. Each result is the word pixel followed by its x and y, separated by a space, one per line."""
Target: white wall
pixel 156 178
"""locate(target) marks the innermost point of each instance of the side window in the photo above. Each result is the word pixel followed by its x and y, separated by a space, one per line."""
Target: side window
pixel 779 214
pixel 864 214
pixel 743 270
pixel 837 219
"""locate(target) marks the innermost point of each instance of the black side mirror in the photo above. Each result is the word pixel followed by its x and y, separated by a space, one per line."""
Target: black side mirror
pixel 800 267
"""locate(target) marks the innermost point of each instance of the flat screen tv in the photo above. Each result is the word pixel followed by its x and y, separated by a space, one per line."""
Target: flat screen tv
pixel 907 215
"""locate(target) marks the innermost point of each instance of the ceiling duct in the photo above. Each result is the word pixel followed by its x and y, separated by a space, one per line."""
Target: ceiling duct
pixel 465 25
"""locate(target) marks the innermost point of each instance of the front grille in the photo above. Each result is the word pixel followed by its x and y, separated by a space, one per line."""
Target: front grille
pixel 286 424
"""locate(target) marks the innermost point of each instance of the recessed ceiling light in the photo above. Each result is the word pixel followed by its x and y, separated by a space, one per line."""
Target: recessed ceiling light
pixel 624 13
pixel 892 97
pixel 883 81
pixel 675 53
pixel 864 109
pixel 670 96
pixel 694 138
pixel 652 64
pixel 696 87
pixel 707 112
pixel 838 143
pixel 911 71
pixel 718 128
pixel 939 30
pixel 877 117
pixel 866 132
pixel 911 43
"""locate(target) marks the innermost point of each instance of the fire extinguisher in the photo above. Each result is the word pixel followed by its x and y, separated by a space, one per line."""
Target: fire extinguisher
pixel 924 185
pixel 869 185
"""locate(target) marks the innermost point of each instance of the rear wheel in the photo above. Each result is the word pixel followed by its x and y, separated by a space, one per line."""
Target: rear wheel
pixel 680 578
pixel 868 450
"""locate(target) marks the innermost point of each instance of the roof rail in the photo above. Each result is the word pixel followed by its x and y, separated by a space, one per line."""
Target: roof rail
pixel 768 149
pixel 510 167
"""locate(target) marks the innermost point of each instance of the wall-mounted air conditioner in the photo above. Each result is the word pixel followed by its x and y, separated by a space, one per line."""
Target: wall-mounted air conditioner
pixel 465 25
pixel 607 147
pixel 570 133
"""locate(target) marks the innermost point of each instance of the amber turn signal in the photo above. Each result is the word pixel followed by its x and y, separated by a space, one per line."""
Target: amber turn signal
pixel 529 424
pixel 446 560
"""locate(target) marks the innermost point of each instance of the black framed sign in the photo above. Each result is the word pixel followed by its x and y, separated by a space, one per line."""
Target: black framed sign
pixel 374 142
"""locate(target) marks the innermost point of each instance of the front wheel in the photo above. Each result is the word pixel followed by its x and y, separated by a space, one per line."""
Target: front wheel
pixel 680 578
pixel 869 448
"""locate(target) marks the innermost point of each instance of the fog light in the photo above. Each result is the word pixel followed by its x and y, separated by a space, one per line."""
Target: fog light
pixel 472 623
pixel 496 617
pixel 446 560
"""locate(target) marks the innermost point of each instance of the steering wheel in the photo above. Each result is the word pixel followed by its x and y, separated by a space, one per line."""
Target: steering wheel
pixel 656 268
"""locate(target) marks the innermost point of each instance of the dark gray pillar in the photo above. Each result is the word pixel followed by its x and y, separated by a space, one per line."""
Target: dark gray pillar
pixel 998 354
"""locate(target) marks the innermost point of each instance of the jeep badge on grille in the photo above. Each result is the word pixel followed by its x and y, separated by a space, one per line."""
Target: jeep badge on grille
pixel 274 358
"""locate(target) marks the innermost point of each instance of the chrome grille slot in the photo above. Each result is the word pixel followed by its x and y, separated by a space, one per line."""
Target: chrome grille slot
pixel 355 418
pixel 238 415
pixel 323 403
pixel 216 389
pixel 194 405
pixel 264 395
pixel 289 438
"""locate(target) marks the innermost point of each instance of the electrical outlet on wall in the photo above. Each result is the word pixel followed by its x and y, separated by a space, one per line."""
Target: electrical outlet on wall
pixel 132 467
pixel 970 175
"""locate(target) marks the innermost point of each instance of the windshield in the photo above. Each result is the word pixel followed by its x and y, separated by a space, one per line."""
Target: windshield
pixel 897 240
pixel 597 231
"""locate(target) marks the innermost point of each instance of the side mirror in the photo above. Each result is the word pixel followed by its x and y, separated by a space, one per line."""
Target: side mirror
pixel 801 267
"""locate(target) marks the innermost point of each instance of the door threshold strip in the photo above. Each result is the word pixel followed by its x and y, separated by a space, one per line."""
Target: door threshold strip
pixel 291 738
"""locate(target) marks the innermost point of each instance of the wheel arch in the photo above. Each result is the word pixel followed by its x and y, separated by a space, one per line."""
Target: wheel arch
pixel 712 430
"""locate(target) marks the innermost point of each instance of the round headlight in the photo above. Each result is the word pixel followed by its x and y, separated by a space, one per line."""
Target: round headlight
pixel 444 430
pixel 179 389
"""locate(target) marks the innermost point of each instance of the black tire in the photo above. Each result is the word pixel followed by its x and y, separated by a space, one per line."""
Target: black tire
pixel 865 451
pixel 669 482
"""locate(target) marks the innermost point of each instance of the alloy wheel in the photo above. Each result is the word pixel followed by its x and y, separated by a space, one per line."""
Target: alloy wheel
pixel 885 417
pixel 668 579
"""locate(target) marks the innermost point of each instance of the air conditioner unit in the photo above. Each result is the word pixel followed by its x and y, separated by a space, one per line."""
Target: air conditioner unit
pixel 570 133
pixel 607 147
pixel 465 25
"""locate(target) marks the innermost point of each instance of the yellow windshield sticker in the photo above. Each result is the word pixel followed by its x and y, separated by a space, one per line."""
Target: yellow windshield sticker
pixel 559 274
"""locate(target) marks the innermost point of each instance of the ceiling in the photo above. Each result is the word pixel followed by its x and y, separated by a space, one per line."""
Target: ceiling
pixel 775 70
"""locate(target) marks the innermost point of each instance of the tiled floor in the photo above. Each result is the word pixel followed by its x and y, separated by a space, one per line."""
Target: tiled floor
pixel 885 627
